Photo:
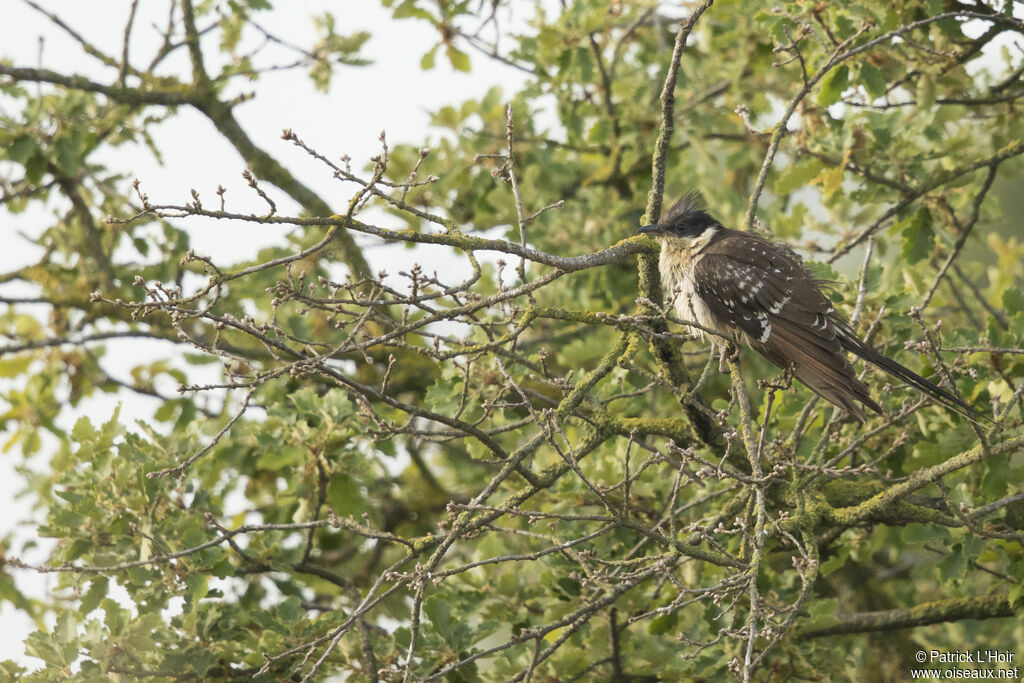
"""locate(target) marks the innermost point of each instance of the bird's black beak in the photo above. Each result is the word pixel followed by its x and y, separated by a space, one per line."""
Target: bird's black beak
pixel 653 229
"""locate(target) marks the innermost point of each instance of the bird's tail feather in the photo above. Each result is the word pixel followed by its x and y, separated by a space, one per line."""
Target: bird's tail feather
pixel 854 345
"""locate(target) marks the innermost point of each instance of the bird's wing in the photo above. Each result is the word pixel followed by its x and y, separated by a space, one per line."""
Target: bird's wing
pixel 766 292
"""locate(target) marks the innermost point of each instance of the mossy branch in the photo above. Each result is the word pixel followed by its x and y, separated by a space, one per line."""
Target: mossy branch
pixel 855 514
pixel 937 612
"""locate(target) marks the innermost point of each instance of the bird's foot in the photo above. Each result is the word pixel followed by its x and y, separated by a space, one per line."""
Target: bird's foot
pixel 729 354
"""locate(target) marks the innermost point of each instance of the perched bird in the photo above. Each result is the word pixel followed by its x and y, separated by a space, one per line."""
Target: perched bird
pixel 746 288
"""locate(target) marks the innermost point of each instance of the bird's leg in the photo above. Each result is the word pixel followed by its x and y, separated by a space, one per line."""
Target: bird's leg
pixel 729 353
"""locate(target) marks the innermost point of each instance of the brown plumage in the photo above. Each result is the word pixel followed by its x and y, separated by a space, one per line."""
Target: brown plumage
pixel 746 288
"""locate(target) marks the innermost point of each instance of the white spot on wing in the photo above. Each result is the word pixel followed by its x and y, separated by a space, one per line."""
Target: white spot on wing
pixel 766 328
pixel 778 305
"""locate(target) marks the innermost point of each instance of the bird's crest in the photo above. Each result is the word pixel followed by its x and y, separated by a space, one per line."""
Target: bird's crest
pixel 689 217
pixel 690 208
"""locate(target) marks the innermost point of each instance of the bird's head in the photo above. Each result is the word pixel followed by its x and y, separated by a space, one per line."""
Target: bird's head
pixel 686 220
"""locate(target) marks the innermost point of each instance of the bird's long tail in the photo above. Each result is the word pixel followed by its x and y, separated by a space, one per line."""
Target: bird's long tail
pixel 857 347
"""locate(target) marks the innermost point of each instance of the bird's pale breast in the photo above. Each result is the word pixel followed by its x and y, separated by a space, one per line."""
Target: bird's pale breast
pixel 676 266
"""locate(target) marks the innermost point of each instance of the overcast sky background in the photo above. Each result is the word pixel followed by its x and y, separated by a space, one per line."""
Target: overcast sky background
pixel 392 94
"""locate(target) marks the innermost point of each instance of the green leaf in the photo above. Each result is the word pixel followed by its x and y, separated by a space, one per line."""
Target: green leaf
pixel 166 411
pixel 345 496
pixel 845 27
pixel 798 175
pixel 953 566
pixel 198 587
pixel 14 365
pixel 925 91
pixel 427 61
pixel 918 235
pixel 202 660
pixel 12 670
pixel 304 400
pixel 408 9
pixel 872 79
pixel 199 358
pixel 458 59
pixel 822 613
pixel 39 644
pixel 440 613
pixel 115 618
pixel 586 63
pixel 141 245
pixel 917 533
pixel 833 85
pixel 92 597
pixel 663 624
pixel 83 430
pixel 68 158
pixel 337 404
pixel 569 585
pixel 1013 300
pixel 836 561
pixel 281 456
pixel 438 395
pixel 35 167
pixel 320 73
pixel 22 148
pixel 1013 596
pixel 831 179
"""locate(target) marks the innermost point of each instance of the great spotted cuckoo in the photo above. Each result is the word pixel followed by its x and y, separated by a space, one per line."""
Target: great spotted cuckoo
pixel 748 289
